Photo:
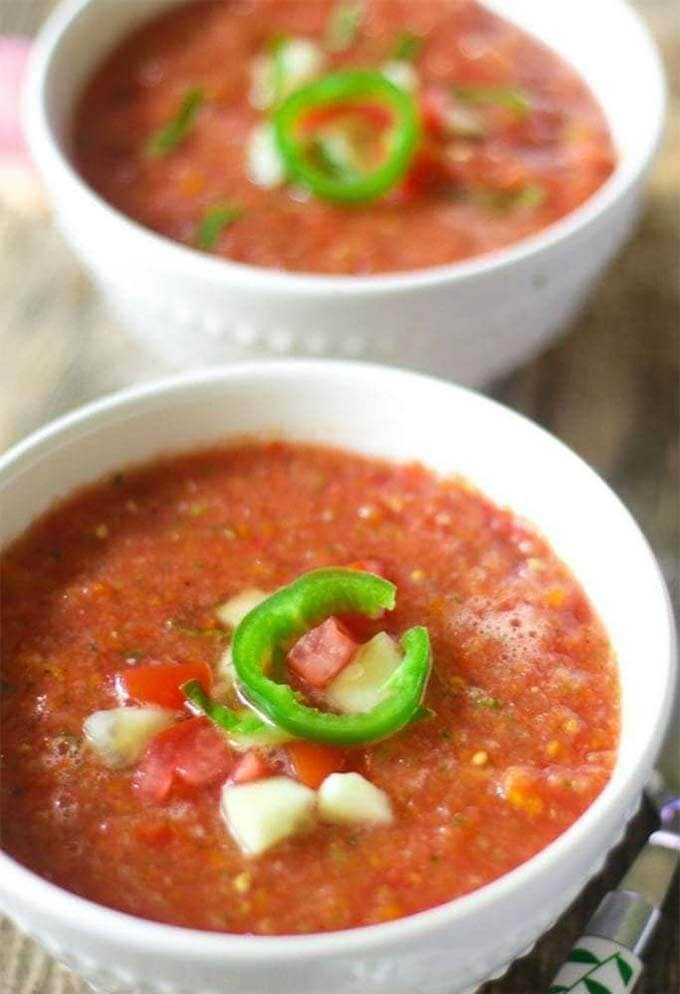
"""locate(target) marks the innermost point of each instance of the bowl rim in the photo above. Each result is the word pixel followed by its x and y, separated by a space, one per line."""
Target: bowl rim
pixel 53 162
pixel 143 934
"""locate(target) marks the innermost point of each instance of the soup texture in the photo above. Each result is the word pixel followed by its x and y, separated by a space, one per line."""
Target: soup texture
pixel 175 129
pixel 126 578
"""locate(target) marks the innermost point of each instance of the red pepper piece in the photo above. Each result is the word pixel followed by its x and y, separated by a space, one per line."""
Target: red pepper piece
pixel 160 683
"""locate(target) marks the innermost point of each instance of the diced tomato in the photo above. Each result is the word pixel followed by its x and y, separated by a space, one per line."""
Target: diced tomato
pixel 373 114
pixel 193 752
pixel 434 107
pixel 253 766
pixel 206 756
pixel 428 172
pixel 311 763
pixel 160 683
pixel 322 652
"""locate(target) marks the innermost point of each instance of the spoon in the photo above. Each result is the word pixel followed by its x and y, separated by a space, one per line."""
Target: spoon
pixel 607 959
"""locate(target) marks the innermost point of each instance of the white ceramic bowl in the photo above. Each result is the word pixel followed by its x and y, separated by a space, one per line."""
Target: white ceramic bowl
pixel 399 415
pixel 470 321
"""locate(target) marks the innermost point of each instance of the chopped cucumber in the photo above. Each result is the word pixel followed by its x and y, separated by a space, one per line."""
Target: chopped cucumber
pixel 259 815
pixel 120 735
pixel 402 73
pixel 350 799
pixel 291 62
pixel 232 613
pixel 361 685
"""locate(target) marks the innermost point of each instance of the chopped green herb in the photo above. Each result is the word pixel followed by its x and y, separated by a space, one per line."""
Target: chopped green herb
pixel 481 699
pixel 275 43
pixel 331 155
pixel 407 47
pixel 423 714
pixel 213 223
pixel 6 687
pixel 68 743
pixel 343 25
pixel 511 97
pixel 276 47
pixel 134 654
pixel 117 479
pixel 527 197
pixel 446 735
pixel 352 840
pixel 172 134
pixel 176 626
pixel 337 853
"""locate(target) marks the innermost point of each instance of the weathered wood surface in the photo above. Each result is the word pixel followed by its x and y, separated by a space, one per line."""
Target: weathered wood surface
pixel 609 390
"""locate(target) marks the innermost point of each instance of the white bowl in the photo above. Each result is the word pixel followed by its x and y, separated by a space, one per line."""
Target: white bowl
pixel 400 415
pixel 470 321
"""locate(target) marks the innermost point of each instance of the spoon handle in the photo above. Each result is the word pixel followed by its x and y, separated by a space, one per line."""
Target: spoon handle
pixel 606 959
pixel 597 966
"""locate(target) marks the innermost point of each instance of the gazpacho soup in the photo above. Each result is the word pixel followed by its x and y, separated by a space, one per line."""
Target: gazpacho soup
pixel 279 688
pixel 340 136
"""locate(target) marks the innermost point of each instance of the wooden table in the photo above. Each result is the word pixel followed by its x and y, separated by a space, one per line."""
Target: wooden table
pixel 609 390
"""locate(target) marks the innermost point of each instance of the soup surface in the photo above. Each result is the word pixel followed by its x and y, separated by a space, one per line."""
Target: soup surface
pixel 129 573
pixel 170 131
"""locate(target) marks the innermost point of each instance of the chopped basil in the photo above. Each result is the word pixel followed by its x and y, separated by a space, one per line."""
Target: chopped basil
pixel 511 97
pixel 343 25
pixel 172 134
pixel 407 47
pixel 6 687
pixel 214 222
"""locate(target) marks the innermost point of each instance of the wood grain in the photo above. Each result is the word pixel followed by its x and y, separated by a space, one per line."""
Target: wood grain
pixel 609 390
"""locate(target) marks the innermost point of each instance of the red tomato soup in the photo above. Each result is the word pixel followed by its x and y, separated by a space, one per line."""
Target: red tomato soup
pixel 180 129
pixel 137 579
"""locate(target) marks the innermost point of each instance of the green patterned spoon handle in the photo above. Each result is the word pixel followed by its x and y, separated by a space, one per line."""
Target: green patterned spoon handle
pixel 606 960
